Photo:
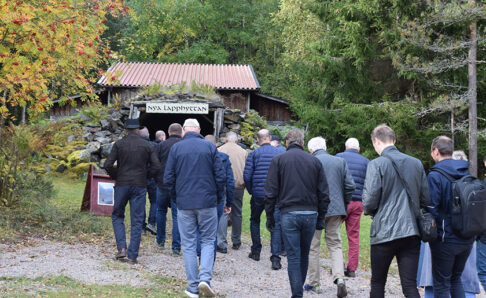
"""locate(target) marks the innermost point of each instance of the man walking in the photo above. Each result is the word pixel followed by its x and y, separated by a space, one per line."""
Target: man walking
pixel 237 157
pixel 255 174
pixel 151 191
pixel 194 176
pixel 164 200
pixel 394 231
pixel 449 252
pixel 133 155
pixel 297 183
pixel 357 164
pixel 159 136
pixel 341 189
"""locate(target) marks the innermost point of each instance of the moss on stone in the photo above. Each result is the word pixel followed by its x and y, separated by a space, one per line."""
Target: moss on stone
pixel 80 169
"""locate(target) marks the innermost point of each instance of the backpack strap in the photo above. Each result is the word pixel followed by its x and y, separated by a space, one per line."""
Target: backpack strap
pixel 405 185
pixel 449 177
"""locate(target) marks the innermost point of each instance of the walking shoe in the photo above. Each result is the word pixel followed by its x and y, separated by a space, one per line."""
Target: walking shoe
pixel 122 252
pixel 151 228
pixel 205 289
pixel 254 256
pixel 191 294
pixel 222 250
pixel 349 273
pixel 129 261
pixel 236 246
pixel 276 264
pixel 341 288
pixel 159 245
pixel 176 252
pixel 315 290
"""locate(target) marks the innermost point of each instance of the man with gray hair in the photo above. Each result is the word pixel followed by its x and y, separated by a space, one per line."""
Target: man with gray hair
pixel 255 175
pixel 341 189
pixel 357 165
pixel 159 136
pixel 297 183
pixel 195 177
pixel 237 157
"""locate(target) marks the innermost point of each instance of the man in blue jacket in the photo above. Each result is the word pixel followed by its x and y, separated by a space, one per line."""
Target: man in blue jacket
pixel 449 252
pixel 255 175
pixel 195 178
pixel 357 164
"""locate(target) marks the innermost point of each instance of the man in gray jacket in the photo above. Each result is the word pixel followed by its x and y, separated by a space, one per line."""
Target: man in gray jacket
pixel 341 189
pixel 394 231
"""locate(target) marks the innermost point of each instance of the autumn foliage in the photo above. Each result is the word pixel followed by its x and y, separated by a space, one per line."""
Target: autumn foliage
pixel 50 49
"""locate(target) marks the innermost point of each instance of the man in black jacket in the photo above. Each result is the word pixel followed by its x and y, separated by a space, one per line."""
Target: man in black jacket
pixel 132 154
pixel 297 181
pixel 163 196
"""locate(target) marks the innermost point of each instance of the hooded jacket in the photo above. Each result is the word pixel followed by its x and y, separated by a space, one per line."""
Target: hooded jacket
pixel 385 197
pixel 440 196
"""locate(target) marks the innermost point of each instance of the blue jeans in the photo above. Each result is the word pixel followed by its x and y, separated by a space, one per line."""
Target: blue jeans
pixel 220 210
pixel 136 196
pixel 257 206
pixel 163 201
pixel 298 230
pixel 448 261
pixel 152 195
pixel 190 222
pixel 276 236
pixel 481 262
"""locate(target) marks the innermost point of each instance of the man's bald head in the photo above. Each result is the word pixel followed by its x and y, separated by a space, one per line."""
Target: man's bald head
pixel 263 136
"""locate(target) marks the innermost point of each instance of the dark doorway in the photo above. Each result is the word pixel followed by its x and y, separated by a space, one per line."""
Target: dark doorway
pixel 156 122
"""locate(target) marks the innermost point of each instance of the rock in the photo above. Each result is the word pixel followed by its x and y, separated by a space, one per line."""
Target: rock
pixel 48 168
pixel 105 124
pixel 71 139
pixel 80 156
pixel 225 129
pixel 113 124
pixel 84 117
pixel 61 168
pixel 49 156
pixel 93 125
pixel 94 146
pixel 233 117
pixel 125 112
pixel 103 140
pixel 95 158
pixel 106 149
pixel 200 96
pixel 116 115
pixel 100 171
pixel 235 126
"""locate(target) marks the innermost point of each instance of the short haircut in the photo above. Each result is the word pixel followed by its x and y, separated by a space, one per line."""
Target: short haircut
pixel 295 136
pixel 232 137
pixel 316 144
pixel 383 133
pixel 191 122
pixel 144 132
pixel 443 144
pixel 159 134
pixel 352 143
pixel 175 129
pixel 263 134
pixel 459 155
pixel 210 138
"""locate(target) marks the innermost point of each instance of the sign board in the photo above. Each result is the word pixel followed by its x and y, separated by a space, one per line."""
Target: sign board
pixel 99 194
pixel 177 107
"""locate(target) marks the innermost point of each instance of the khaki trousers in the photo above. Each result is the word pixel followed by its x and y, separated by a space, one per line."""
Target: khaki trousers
pixel 333 241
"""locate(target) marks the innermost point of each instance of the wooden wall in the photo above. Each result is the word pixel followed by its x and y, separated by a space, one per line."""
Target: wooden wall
pixel 271 110
pixel 234 100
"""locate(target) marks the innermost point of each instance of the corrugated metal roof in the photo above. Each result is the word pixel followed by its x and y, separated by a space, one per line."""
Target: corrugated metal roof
pixel 220 76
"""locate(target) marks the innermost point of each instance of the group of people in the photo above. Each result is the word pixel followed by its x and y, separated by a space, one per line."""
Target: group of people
pixel 301 193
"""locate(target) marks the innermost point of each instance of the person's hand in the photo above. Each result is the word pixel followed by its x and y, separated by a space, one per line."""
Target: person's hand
pixel 320 225
pixel 270 224
pixel 227 210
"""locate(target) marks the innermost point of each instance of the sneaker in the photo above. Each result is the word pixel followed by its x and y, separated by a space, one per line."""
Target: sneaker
pixel 159 245
pixel 254 256
pixel 151 228
pixel 276 264
pixel 222 250
pixel 341 288
pixel 315 290
pixel 206 290
pixel 349 273
pixel 191 294
pixel 176 252
pixel 236 246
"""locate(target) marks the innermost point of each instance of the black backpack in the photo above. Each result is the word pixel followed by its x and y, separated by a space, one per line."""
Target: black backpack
pixel 467 205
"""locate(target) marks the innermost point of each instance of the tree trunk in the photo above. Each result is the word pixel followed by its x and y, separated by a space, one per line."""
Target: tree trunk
pixel 472 94
pixel 452 124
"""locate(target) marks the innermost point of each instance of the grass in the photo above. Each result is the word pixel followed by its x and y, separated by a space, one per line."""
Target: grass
pixel 62 286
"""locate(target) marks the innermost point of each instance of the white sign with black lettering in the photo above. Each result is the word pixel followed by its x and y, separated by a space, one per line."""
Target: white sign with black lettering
pixel 177 108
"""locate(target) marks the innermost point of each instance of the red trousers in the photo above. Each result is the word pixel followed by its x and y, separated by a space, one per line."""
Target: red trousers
pixel 353 218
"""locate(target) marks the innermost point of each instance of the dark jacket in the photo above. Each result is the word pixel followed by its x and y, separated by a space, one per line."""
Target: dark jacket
pixel 230 180
pixel 256 169
pixel 133 156
pixel 194 173
pixel 297 180
pixel 162 152
pixel 357 164
pixel 440 196
pixel 385 197
pixel 339 180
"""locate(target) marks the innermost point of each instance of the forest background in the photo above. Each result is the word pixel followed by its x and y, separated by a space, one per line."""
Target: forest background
pixel 344 65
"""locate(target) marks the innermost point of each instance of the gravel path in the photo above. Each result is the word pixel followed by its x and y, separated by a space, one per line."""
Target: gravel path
pixel 235 275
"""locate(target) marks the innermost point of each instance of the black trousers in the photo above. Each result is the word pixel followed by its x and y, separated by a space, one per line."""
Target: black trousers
pixel 407 252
